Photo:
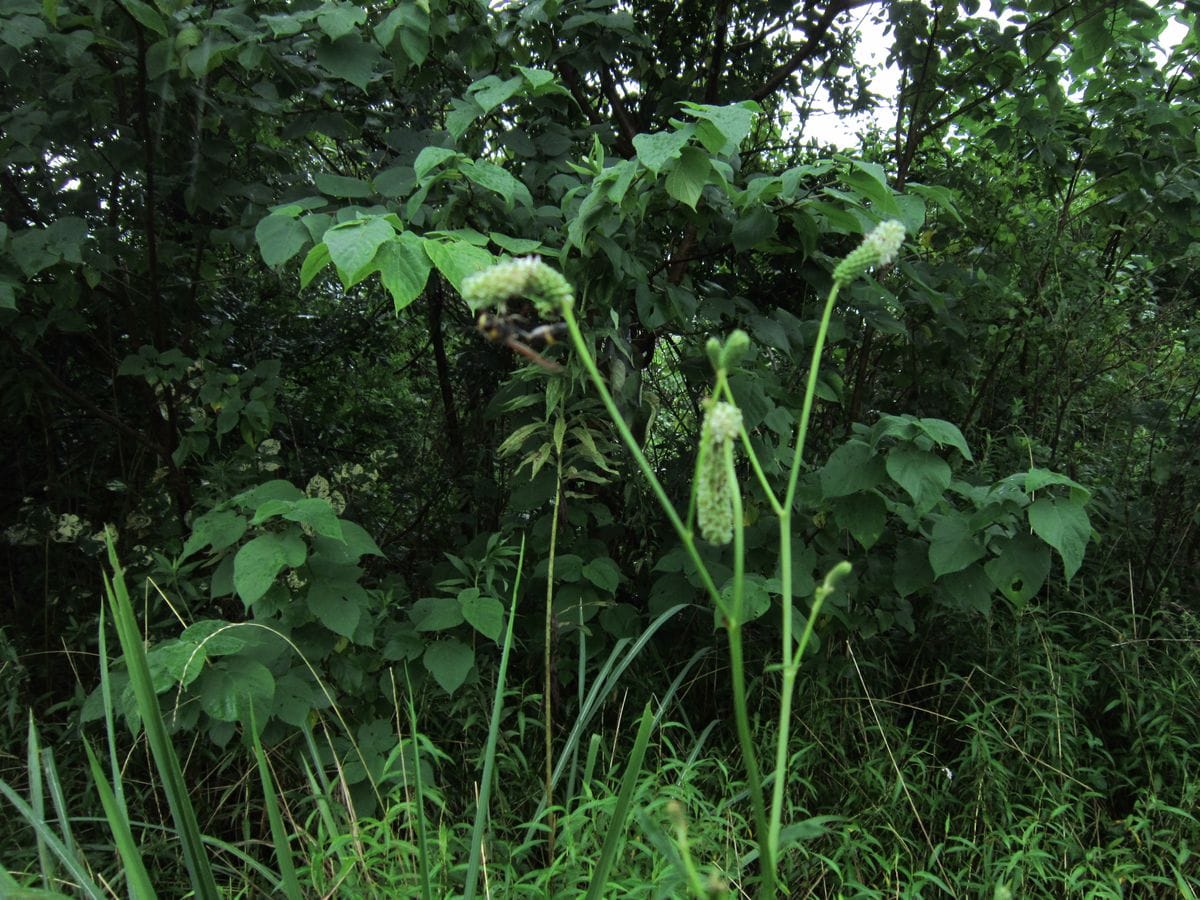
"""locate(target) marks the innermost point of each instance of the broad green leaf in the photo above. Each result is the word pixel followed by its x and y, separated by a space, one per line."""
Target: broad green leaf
pixel 686 181
pixel 259 561
pixel 218 529
pixel 175 663
pixel 350 59
pixel 232 685
pixel 218 638
pixel 912 572
pixel 340 19
pixel 851 468
pixel 354 244
pixel 1021 569
pixel 342 186
pixel 279 237
pixel 945 434
pixel 1064 525
pixel 1036 479
pixel 603 573
pixel 924 475
pixel 863 514
pixel 484 614
pixel 656 150
pixel 449 661
pixel 953 545
pixel 723 128
pixel 146 15
pixel 430 158
pixel 317 514
pixel 295 697
pixel 942 196
pixel 337 603
pixel 404 268
pixel 516 246
pixel 756 599
pixel 435 613
pixel 754 228
pixel 316 260
pixel 457 260
pixel 491 91
pixel 494 178
pixel 969 590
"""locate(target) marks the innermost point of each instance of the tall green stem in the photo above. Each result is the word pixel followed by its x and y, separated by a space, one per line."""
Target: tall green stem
pixel 791 655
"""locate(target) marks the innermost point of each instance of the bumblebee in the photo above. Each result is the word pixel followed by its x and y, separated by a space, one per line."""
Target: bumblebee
pixel 510 331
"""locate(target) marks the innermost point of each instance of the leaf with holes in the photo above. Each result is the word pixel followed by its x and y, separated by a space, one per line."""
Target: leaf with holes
pixel 1021 569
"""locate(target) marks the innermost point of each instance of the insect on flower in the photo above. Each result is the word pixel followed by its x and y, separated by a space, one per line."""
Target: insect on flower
pixel 509 330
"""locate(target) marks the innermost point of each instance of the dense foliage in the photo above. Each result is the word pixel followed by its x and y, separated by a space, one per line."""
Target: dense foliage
pixel 246 341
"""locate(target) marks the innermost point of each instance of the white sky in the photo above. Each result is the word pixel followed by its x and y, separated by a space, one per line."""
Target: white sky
pixel 873 49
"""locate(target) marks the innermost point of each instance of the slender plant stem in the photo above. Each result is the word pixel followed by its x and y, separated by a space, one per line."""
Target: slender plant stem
pixel 685 535
pixel 789 654
pixel 548 658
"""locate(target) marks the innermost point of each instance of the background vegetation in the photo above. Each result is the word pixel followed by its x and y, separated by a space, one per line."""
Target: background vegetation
pixel 376 566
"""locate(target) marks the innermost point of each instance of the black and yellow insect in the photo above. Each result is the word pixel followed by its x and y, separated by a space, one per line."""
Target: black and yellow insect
pixel 510 331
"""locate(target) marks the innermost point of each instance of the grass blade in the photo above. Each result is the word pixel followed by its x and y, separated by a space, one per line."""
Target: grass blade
pixel 136 875
pixel 419 791
pixel 489 756
pixel 616 826
pixel 44 833
pixel 194 854
pixel 289 884
pixel 37 801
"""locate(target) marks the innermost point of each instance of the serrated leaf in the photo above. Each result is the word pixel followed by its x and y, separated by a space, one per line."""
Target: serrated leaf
pixel 731 124
pixel 484 614
pixel 686 181
pixel 1064 525
pixel 449 662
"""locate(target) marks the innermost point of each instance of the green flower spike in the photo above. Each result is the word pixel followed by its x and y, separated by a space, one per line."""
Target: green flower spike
pixel 879 248
pixel 528 277
pixel 714 490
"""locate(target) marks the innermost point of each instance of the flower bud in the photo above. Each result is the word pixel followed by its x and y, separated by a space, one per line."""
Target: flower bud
pixel 528 277
pixel 879 248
